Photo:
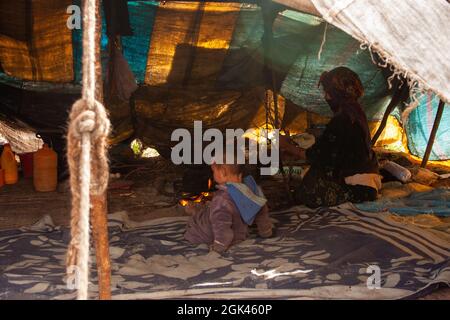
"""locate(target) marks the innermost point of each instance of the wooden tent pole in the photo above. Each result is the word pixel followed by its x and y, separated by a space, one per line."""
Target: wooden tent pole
pixel 434 130
pixel 99 213
pixel 99 220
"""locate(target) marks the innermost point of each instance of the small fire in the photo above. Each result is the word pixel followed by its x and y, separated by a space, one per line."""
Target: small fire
pixel 184 202
pixel 202 197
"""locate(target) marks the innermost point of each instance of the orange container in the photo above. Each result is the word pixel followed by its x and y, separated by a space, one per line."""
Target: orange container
pixel 9 165
pixel 45 169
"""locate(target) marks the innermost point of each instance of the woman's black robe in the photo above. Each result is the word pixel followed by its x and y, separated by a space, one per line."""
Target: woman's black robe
pixel 341 151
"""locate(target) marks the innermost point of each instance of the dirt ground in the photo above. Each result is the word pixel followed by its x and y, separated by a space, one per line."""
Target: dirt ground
pixel 144 190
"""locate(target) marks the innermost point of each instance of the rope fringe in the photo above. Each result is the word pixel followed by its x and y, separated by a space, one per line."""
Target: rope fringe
pixel 323 40
pixel 416 88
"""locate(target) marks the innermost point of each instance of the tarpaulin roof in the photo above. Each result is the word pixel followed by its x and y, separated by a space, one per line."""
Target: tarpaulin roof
pixel 200 44
pixel 185 54
pixel 410 35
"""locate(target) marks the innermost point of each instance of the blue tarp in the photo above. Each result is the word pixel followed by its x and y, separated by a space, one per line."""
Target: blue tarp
pixel 135 48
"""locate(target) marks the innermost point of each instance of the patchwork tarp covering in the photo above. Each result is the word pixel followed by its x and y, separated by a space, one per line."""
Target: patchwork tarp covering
pixel 197 51
pixel 318 255
pixel 213 44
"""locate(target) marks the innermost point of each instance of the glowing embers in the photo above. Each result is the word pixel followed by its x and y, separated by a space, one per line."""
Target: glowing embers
pixel 202 197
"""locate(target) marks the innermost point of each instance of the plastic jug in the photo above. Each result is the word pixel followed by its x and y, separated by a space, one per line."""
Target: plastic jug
pixel 9 165
pixel 45 169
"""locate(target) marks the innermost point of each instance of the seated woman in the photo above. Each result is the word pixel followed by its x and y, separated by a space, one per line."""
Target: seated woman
pixel 343 165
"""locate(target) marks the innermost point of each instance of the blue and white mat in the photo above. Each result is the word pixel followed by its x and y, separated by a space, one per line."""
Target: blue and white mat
pixel 323 254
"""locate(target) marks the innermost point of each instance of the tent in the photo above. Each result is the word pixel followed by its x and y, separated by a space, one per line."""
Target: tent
pixel 196 72
pixel 189 59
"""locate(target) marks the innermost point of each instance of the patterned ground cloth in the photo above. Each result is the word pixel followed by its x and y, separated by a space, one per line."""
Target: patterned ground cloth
pixel 317 254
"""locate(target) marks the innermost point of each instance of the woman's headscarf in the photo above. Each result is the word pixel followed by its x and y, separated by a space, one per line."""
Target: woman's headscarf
pixel 344 89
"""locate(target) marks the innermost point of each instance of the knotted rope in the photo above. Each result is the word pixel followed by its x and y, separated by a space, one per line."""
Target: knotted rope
pixel 86 153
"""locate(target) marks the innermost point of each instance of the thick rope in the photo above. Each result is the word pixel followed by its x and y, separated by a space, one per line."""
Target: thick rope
pixel 86 143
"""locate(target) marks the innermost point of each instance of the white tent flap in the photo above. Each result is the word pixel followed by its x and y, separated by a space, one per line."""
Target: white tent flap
pixel 412 36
